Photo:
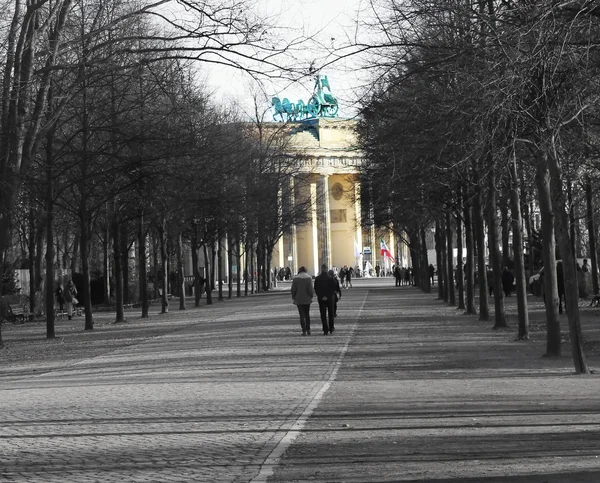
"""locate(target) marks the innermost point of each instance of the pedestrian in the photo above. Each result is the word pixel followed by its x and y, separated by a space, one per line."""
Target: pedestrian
pixel 490 281
pixel 342 279
pixel 302 295
pixel 377 269
pixel 337 294
pixel 325 290
pixel 431 273
pixel 70 294
pixel 60 297
pixel 585 267
pixel 508 280
pixel 349 271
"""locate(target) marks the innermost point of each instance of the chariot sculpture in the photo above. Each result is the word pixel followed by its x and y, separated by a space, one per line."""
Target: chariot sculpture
pixel 321 104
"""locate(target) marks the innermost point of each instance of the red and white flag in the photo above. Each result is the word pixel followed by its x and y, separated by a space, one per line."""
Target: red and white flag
pixel 385 251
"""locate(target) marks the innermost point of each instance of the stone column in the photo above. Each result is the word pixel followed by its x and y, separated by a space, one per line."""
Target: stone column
pixel 280 246
pixel 358 225
pixel 294 240
pixel 326 248
pixel 315 231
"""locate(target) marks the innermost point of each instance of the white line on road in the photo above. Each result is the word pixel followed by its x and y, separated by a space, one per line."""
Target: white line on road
pixel 272 460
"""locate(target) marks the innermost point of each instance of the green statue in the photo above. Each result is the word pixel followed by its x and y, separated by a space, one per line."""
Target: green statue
pixel 321 104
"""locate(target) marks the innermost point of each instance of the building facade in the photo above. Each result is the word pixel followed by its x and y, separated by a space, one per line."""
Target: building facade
pixel 327 176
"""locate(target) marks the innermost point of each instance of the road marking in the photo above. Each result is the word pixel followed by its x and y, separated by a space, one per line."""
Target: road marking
pixel 272 460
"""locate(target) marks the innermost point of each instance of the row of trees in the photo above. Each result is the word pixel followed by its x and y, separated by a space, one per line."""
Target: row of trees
pixel 106 143
pixel 487 113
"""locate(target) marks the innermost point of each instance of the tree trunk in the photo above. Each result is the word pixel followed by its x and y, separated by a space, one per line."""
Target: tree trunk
pixel 571 218
pixel 470 263
pixel 213 266
pixel 85 269
pixel 106 263
pixel 31 259
pixel 450 259
pixel 442 275
pixel 75 253
pixel 49 236
pixel 195 270
pixel 459 255
pixel 155 264
pixel 252 269
pixel 589 200
pixel 258 265
pixel 420 270
pixel 438 259
pixel 478 230
pixel 505 221
pixel 229 267
pixel 143 277
pixel 247 252
pixel 549 256
pixel 118 274
pixel 220 265
pixel 268 258
pixel 207 281
pixel 495 256
pixel 2 257
pixel 238 253
pixel 568 264
pixel 517 230
pixel 125 262
pixel 164 258
pixel 180 272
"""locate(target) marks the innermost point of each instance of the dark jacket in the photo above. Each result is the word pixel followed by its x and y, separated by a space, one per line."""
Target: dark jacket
pixel 507 280
pixel 324 286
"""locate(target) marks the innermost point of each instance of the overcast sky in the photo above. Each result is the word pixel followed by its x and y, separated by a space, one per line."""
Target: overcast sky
pixel 331 22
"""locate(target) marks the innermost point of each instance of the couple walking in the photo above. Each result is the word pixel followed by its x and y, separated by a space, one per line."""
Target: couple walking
pixel 327 289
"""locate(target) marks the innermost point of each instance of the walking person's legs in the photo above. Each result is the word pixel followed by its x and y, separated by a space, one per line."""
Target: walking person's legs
pixel 302 313
pixel 331 314
pixel 307 318
pixel 323 311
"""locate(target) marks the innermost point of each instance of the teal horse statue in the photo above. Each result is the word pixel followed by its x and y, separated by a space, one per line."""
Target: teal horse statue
pixel 321 104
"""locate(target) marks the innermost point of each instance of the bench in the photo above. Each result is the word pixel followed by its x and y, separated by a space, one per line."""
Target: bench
pixel 15 313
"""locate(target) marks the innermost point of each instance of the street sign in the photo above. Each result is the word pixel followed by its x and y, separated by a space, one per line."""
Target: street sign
pixel 366 250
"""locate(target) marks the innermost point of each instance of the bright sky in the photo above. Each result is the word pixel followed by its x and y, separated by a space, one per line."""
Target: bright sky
pixel 332 23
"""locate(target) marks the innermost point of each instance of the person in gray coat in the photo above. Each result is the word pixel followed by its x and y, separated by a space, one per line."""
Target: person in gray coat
pixel 302 295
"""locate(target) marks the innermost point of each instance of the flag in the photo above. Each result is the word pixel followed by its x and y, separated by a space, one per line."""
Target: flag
pixel 385 251
pixel 356 249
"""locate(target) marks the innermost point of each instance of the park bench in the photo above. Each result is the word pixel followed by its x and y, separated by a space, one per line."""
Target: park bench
pixel 16 313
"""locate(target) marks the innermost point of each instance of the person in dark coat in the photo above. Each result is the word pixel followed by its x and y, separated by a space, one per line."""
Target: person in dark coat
pixel 302 295
pixel 325 290
pixel 490 281
pixel 349 271
pixel 70 295
pixel 508 280
pixel 60 297
pixel 337 294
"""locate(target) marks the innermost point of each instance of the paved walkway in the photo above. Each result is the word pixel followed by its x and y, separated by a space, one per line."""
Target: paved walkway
pixel 406 390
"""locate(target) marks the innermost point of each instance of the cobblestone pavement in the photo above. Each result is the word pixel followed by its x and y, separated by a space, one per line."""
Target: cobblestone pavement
pixel 406 389
pixel 204 395
pixel 428 394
